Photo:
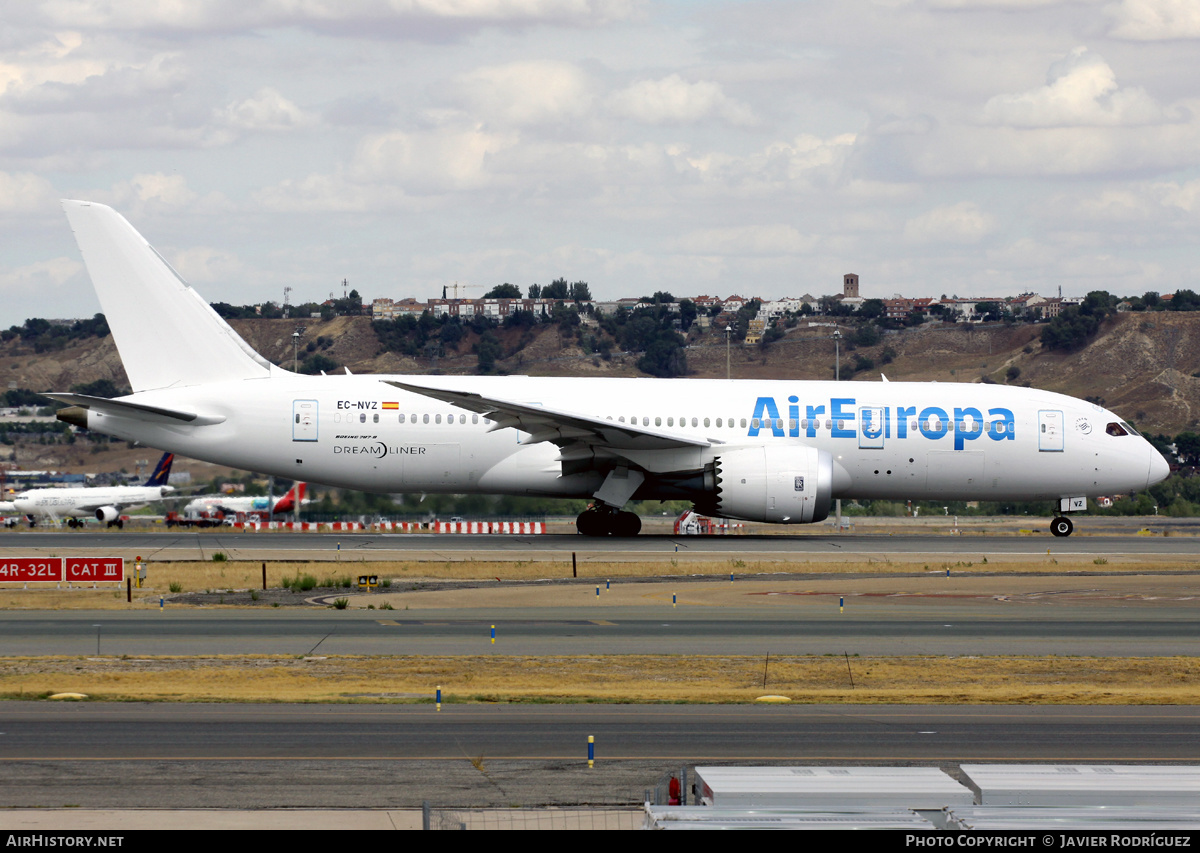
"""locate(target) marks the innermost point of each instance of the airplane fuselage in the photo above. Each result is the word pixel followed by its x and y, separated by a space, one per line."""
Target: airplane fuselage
pixel 83 503
pixel 887 440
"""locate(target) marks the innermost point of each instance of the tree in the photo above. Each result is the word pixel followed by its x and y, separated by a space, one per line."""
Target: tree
pixel 1187 448
pixel 580 292
pixel 506 291
pixel 557 289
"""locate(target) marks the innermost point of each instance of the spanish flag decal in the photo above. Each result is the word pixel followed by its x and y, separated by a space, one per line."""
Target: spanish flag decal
pixel 391 405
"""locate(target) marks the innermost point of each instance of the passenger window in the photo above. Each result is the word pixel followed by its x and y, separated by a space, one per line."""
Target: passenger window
pixel 718 422
pixel 437 419
pixel 402 419
pixel 706 422
pixel 425 419
pixel 362 419
pixel 375 418
pixel 670 421
pixel 474 419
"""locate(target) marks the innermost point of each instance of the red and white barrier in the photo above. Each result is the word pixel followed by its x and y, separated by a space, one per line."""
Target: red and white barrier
pixel 529 528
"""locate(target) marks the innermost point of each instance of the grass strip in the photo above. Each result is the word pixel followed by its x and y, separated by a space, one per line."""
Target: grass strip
pixel 611 679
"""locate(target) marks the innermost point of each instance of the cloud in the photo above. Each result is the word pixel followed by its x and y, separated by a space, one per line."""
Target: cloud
pixel 201 264
pixel 24 193
pixel 1155 20
pixel 525 93
pixel 1006 4
pixel 776 239
pixel 430 161
pixel 39 275
pixel 1186 196
pixel 157 188
pixel 266 110
pixel 412 19
pixel 959 223
pixel 673 100
pixel 1081 91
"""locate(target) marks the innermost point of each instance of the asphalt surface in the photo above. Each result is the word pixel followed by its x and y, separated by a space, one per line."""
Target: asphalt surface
pixel 869 629
pixel 97 755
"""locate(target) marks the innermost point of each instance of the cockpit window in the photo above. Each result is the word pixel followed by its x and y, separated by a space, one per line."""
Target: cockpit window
pixel 1115 429
pixel 1130 429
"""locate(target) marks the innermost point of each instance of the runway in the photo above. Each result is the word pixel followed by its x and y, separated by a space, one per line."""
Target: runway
pixel 221 756
pixel 817 544
pixel 932 628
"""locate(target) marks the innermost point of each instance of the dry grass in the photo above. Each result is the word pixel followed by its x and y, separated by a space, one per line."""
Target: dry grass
pixel 622 678
pixel 233 575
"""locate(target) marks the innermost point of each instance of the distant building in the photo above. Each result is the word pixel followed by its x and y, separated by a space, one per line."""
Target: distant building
pixel 850 285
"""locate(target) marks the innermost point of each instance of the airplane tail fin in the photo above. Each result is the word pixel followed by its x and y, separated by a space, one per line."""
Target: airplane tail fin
pixel 166 333
pixel 162 471
pixel 292 500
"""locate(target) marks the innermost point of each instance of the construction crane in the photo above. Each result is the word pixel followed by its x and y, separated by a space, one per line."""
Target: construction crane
pixel 456 287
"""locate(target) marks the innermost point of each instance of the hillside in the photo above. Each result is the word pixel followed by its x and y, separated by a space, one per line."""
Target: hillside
pixel 1140 365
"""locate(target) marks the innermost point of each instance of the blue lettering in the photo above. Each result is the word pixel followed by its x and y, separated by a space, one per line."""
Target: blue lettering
pixel 766 408
pixel 903 413
pixel 794 416
pixel 1001 430
pixel 813 411
pixel 927 429
pixel 837 414
pixel 961 433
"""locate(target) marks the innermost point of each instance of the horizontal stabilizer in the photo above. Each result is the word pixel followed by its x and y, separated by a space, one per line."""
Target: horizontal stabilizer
pixel 135 411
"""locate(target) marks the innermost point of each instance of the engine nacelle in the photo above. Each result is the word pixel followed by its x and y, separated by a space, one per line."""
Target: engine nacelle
pixel 108 514
pixel 783 485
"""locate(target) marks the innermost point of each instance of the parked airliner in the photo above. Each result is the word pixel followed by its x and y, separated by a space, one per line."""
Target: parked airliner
pixel 774 451
pixel 104 503
pixel 228 506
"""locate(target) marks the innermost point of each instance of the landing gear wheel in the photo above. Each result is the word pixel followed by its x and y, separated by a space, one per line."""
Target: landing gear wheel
pixel 1061 526
pixel 608 522
pixel 592 522
pixel 627 524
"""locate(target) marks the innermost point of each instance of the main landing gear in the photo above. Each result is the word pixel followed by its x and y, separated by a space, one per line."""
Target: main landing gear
pixel 605 521
pixel 1061 526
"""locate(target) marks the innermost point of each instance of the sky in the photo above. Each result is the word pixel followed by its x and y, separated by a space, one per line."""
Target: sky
pixel 958 147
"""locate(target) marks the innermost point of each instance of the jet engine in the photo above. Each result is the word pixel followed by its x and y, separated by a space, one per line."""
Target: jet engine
pixel 783 485
pixel 108 514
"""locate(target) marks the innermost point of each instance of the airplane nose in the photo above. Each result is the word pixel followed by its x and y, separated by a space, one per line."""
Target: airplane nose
pixel 1159 469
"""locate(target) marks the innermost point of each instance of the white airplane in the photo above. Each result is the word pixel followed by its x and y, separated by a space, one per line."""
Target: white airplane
pixel 774 451
pixel 226 505
pixel 104 503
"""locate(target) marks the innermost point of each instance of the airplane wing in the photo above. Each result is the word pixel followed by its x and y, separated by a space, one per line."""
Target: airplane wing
pixel 558 426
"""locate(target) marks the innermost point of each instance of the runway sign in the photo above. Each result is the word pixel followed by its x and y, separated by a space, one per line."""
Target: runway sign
pixel 81 569
pixel 58 569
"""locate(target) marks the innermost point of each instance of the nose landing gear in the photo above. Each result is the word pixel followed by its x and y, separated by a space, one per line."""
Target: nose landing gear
pixel 1061 526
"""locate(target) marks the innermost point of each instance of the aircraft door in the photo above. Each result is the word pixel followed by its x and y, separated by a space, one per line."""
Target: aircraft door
pixel 873 420
pixel 1050 431
pixel 304 420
